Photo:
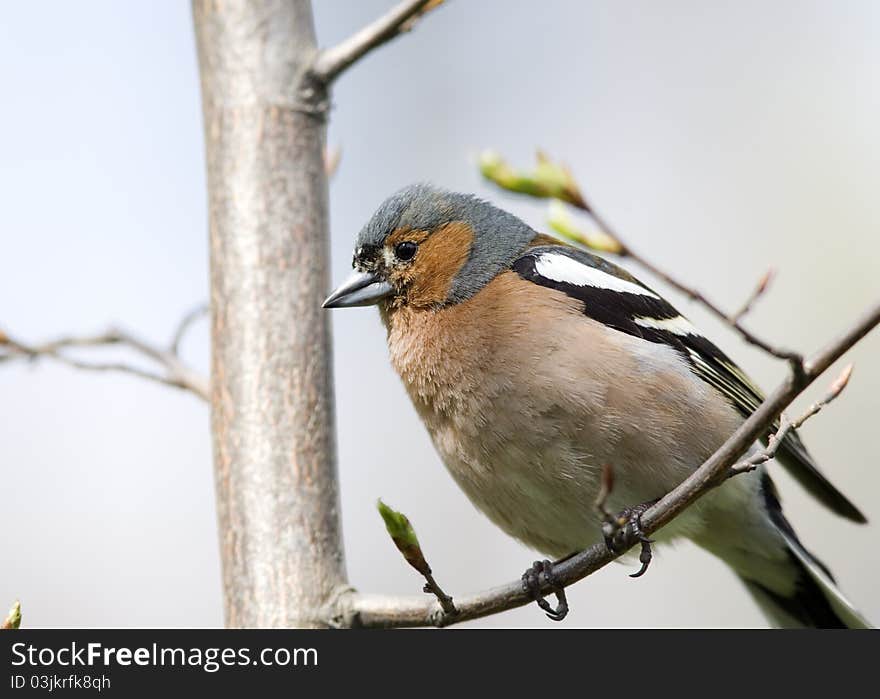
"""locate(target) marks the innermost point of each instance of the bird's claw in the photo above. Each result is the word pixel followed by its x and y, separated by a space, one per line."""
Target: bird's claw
pixel 532 586
pixel 623 530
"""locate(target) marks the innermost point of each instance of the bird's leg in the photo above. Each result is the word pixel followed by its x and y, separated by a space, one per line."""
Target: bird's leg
pixel 623 529
pixel 532 586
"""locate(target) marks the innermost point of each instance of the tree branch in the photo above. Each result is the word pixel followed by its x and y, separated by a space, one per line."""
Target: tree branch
pixel 331 62
pixel 169 371
pixel 351 608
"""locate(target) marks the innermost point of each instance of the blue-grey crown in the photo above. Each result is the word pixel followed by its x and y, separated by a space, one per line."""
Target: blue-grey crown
pixel 499 237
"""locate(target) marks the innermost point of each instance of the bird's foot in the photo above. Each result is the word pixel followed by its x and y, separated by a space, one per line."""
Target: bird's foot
pixel 624 529
pixel 532 586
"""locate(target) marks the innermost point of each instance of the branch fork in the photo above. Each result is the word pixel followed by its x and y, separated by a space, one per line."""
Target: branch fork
pixel 330 63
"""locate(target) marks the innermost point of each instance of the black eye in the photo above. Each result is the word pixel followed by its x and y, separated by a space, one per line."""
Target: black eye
pixel 406 250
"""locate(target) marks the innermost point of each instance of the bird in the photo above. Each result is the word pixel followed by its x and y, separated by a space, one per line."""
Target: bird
pixel 535 365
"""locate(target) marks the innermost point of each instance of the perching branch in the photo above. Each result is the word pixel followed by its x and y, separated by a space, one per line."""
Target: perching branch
pixel 354 609
pixel 167 367
pixel 331 62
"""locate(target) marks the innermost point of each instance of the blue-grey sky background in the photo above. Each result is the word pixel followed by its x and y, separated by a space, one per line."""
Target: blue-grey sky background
pixel 722 138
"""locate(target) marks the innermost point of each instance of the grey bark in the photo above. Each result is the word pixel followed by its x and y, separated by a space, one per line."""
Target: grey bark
pixel 272 413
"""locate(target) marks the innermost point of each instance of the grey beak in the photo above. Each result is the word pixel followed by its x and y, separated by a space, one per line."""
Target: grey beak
pixel 360 289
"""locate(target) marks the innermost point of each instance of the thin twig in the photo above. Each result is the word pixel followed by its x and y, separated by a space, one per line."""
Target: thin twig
pixel 758 291
pixel 775 439
pixel 354 609
pixel 795 359
pixel 446 602
pixel 185 324
pixel 331 62
pixel 170 370
pixel 551 180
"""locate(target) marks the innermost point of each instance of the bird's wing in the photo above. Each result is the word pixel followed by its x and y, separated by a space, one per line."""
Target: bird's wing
pixel 618 300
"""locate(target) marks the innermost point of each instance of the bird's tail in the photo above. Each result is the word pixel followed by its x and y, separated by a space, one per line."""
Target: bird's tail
pixel 793 587
pixel 815 602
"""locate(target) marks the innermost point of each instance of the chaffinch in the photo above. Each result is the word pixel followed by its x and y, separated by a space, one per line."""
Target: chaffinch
pixel 533 363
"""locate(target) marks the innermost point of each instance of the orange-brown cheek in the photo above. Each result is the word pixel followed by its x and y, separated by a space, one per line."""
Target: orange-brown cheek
pixel 439 259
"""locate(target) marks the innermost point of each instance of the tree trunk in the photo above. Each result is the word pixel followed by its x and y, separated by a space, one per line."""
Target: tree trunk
pixel 271 383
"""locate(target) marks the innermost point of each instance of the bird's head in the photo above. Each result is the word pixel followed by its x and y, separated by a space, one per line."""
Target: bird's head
pixel 426 248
